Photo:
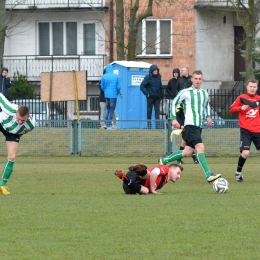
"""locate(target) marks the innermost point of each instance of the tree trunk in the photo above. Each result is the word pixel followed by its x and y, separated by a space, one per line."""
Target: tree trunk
pixel 2 30
pixel 248 21
pixel 250 38
pixel 120 29
pixel 133 26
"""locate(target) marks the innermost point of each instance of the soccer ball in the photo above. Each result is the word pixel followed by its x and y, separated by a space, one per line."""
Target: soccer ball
pixel 220 185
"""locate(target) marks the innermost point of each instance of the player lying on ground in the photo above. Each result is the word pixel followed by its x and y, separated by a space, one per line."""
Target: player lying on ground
pixel 141 180
pixel 195 105
pixel 14 122
pixel 248 108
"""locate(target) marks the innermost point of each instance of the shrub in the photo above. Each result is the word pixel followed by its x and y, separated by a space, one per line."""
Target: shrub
pixel 21 88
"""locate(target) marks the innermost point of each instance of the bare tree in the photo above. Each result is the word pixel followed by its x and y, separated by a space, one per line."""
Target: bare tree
pixel 247 17
pixel 2 30
pixel 129 15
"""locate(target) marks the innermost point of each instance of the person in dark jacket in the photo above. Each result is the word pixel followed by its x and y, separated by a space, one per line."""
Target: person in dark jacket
pixel 184 81
pixel 110 84
pixel 5 82
pixel 151 87
pixel 171 89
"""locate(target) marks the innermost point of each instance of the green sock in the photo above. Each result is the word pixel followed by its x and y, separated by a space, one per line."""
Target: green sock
pixel 8 169
pixel 204 164
pixel 177 155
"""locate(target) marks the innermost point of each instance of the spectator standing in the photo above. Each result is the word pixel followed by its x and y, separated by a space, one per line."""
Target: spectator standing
pixel 184 81
pixel 102 104
pixel 110 84
pixel 171 88
pixel 5 82
pixel 151 86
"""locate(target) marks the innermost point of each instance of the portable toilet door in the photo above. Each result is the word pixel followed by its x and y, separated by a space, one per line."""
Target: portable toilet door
pixel 131 105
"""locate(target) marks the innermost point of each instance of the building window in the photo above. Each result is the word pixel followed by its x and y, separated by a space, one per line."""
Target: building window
pixel 89 105
pixel 154 37
pixel 89 39
pixel 44 38
pixel 57 38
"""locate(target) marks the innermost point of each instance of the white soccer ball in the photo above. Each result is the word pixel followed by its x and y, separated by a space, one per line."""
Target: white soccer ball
pixel 220 185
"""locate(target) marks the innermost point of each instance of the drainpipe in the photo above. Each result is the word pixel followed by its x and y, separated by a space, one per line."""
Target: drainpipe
pixel 111 32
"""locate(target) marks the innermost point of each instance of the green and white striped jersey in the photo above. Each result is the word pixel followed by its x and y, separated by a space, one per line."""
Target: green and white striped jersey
pixel 8 118
pixel 195 105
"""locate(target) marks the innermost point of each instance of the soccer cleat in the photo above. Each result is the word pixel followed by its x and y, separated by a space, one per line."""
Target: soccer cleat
pixel 4 190
pixel 138 168
pixel 120 174
pixel 213 177
pixel 160 161
pixel 196 161
pixel 180 162
pixel 239 176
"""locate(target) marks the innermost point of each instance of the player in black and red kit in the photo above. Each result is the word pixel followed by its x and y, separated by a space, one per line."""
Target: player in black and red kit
pixel 141 180
pixel 248 107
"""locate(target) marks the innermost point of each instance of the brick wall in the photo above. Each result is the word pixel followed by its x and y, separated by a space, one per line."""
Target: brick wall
pixel 183 30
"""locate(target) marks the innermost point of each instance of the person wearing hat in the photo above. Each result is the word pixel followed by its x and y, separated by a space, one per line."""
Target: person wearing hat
pixel 171 89
pixel 5 82
pixel 151 86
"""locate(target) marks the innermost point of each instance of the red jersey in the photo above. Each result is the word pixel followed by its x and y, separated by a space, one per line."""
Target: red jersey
pixel 249 119
pixel 161 179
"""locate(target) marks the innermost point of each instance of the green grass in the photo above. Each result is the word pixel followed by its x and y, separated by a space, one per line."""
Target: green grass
pixel 75 208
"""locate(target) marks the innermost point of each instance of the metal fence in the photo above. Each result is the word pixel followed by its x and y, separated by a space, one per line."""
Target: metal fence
pixel 34 4
pixel 33 65
pixel 131 138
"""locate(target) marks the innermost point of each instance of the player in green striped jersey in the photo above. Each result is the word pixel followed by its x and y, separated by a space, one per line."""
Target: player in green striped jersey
pixel 195 105
pixel 14 122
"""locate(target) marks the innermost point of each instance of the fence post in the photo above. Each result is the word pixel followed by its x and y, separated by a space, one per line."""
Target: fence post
pixel 75 134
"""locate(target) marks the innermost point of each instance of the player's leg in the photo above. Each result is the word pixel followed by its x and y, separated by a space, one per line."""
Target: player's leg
pixel 245 143
pixel 178 155
pixel 182 146
pixel 12 148
pixel 140 169
pixel 204 164
pixel 194 140
pixel 129 185
pixel 183 143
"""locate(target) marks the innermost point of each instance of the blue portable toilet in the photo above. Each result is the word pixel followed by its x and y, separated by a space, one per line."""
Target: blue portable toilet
pixel 131 104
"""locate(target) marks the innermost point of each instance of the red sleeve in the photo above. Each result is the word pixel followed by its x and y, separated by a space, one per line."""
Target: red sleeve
pixel 236 106
pixel 164 169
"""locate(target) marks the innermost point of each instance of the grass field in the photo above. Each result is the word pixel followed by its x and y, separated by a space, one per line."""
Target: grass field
pixel 75 208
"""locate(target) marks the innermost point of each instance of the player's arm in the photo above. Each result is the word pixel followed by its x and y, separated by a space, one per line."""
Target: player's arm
pixel 7 106
pixel 207 112
pixel 153 176
pixel 236 106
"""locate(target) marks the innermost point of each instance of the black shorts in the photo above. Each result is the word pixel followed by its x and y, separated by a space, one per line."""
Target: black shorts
pixel 247 137
pixel 9 136
pixel 134 177
pixel 192 135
